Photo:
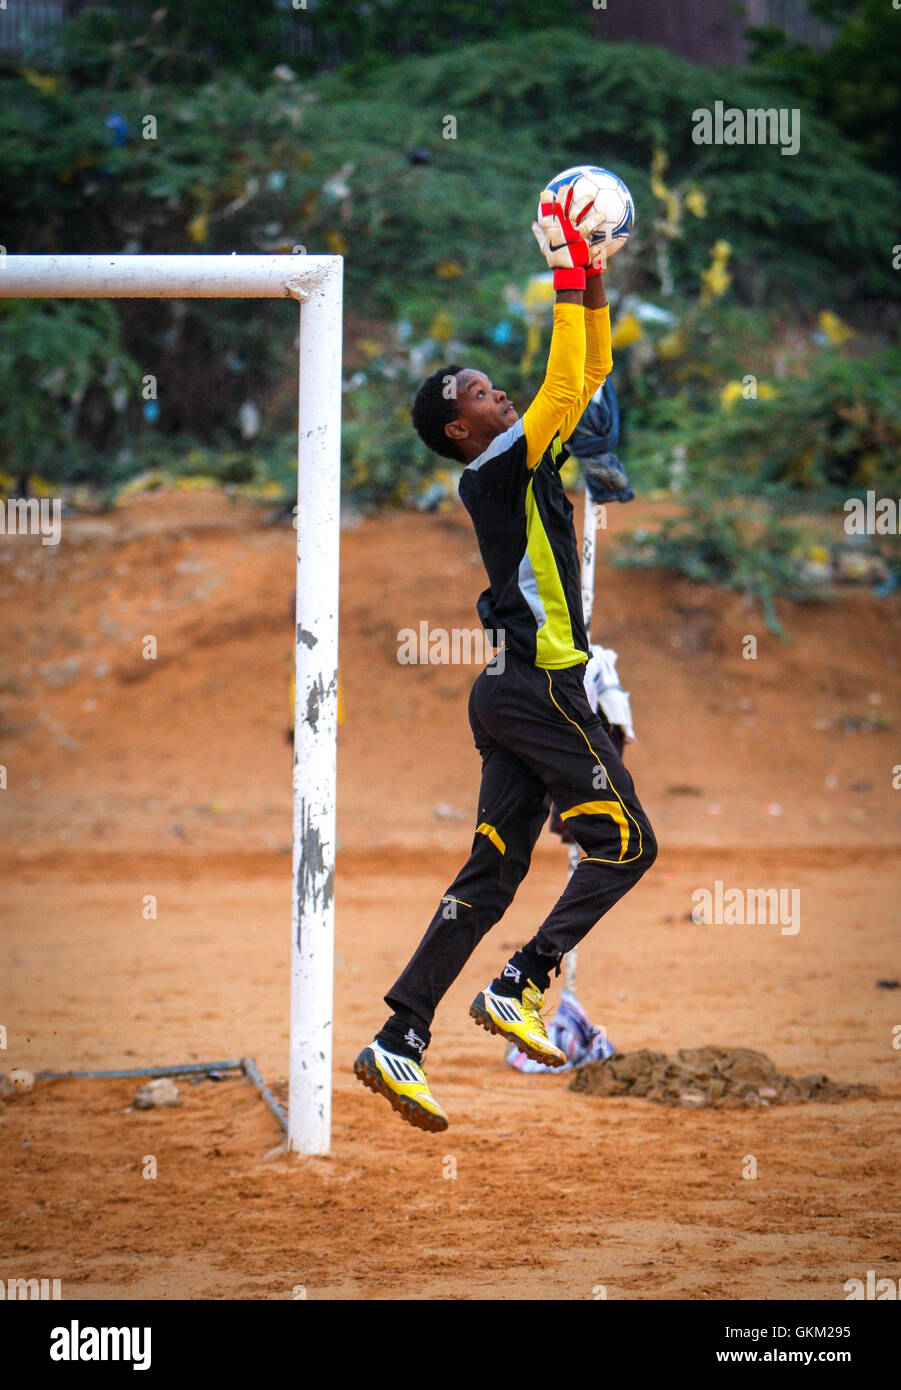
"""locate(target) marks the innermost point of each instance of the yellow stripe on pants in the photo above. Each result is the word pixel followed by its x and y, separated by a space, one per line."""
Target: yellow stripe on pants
pixel 489 830
pixel 603 808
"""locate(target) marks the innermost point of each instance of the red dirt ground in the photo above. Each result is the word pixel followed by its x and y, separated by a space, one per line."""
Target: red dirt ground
pixel 171 777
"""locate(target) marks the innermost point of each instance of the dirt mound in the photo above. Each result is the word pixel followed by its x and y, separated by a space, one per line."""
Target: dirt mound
pixel 726 1077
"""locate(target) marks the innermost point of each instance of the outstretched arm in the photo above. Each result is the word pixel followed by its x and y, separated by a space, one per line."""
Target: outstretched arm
pixel 598 354
pixel 563 383
pixel 566 252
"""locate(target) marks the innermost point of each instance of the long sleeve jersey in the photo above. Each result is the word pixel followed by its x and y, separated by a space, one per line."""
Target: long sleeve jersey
pixel 522 517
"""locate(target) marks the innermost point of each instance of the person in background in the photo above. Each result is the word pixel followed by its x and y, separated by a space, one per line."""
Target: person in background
pixel 593 443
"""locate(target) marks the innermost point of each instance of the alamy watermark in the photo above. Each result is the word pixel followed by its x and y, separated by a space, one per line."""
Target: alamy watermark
pixel 21 1290
pixel 85 1343
pixel 871 516
pixel 873 1287
pixel 729 125
pixel 27 516
pixel 739 907
pixel 456 646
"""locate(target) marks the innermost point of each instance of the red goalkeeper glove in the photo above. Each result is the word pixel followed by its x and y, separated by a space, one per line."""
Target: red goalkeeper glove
pixel 597 259
pixel 557 233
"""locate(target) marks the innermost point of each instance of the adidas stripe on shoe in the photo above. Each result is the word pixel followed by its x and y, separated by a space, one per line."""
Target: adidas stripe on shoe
pixel 404 1085
pixel 519 1021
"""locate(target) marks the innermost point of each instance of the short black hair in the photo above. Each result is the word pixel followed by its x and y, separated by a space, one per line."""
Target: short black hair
pixel 433 408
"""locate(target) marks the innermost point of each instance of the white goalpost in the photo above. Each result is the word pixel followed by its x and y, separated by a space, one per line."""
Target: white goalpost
pixel 316 283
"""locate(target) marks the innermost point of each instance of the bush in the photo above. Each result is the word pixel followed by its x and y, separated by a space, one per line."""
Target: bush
pixel 65 381
pixel 749 549
pixel 746 468
pixel 833 426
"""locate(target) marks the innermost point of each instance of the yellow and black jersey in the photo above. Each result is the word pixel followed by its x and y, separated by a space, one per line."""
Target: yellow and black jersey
pixel 520 511
pixel 523 523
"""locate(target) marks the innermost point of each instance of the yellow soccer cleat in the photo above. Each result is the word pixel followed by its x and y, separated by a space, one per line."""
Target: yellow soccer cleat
pixel 404 1085
pixel 519 1021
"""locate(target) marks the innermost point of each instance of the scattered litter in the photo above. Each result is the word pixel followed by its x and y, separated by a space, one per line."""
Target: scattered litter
pixel 162 1091
pixel 17 1082
pixel 430 500
pixel 864 724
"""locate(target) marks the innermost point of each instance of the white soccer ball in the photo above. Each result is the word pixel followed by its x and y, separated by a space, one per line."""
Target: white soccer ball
pixel 612 217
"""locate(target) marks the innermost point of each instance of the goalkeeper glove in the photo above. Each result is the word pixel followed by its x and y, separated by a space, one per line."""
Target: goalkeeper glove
pixel 562 244
pixel 597 259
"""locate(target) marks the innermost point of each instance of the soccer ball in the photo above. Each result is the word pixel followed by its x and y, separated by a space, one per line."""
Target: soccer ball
pixel 612 217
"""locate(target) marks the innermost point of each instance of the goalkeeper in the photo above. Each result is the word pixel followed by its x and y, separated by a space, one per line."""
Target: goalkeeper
pixel 537 735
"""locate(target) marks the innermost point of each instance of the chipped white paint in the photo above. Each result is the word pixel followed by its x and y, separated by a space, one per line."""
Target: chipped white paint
pixel 316 710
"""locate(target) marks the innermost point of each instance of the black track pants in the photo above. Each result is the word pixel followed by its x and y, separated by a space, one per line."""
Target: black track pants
pixel 540 741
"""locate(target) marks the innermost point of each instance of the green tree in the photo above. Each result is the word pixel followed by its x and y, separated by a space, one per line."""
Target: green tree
pixel 190 42
pixel 371 34
pixel 856 81
pixel 65 383
pixel 197 40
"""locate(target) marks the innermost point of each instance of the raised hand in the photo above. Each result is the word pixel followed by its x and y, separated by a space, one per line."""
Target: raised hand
pixel 557 231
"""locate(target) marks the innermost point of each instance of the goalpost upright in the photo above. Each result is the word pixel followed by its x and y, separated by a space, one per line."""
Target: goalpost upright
pixel 316 282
